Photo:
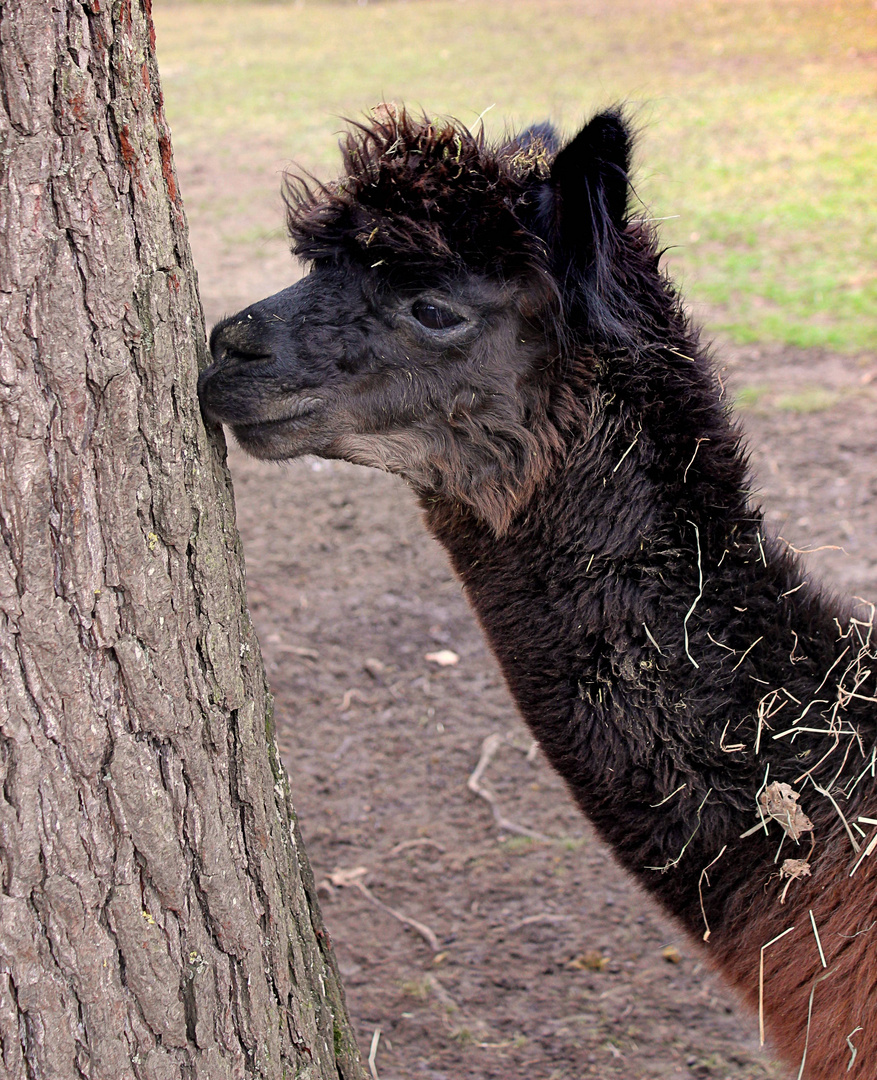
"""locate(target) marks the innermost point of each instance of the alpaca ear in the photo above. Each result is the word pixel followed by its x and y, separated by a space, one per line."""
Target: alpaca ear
pixel 589 185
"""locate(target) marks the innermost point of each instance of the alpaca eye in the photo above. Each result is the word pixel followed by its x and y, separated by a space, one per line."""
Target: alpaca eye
pixel 434 316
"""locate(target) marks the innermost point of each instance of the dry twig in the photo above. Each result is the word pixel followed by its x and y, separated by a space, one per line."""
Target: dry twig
pixel 353 878
pixel 424 931
pixel 373 1053
pixel 488 750
pixel 405 845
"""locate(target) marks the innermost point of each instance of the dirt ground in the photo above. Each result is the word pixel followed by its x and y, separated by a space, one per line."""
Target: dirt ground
pixel 472 948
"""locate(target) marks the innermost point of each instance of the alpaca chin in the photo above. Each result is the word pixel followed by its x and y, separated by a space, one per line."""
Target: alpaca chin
pixel 279 440
pixel 488 487
pixel 402 453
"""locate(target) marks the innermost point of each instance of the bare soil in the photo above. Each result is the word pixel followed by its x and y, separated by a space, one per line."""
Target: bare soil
pixel 536 958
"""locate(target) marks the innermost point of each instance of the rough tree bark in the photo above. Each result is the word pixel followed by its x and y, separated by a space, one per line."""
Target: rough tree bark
pixel 157 914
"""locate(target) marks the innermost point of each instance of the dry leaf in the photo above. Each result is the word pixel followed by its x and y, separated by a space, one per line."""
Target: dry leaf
pixel 444 657
pixel 592 960
pixel 386 112
pixel 795 868
pixel 780 802
pixel 671 954
pixel 342 878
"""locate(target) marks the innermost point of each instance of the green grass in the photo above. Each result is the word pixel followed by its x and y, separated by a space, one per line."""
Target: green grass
pixel 812 399
pixel 809 399
pixel 757 116
pixel 749 397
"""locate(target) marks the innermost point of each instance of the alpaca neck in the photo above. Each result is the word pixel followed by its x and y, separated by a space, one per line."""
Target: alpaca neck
pixel 638 632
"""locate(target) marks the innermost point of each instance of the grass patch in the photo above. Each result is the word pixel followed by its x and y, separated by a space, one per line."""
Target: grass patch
pixel 811 400
pixel 419 989
pixel 749 397
pixel 757 117
pixel 573 843
pixel 464 1036
pixel 518 845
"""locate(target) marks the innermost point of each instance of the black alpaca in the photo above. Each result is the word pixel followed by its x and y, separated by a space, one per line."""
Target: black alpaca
pixel 492 325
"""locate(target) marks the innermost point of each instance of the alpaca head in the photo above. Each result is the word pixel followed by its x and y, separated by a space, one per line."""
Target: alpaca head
pixel 446 279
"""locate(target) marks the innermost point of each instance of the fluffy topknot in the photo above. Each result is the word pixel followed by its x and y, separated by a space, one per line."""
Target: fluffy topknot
pixel 424 194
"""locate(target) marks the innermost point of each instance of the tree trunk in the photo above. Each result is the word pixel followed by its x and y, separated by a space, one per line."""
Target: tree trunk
pixel 158 917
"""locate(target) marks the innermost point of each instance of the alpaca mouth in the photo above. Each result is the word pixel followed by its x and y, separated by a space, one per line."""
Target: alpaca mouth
pixel 266 429
pixel 284 437
pixel 295 413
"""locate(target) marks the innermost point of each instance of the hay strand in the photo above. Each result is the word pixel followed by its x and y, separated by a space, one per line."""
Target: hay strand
pixel 818 942
pixel 688 613
pixel 772 941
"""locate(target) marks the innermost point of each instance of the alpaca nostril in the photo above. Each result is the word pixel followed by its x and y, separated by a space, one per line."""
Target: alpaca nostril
pixel 232 353
pixel 239 342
